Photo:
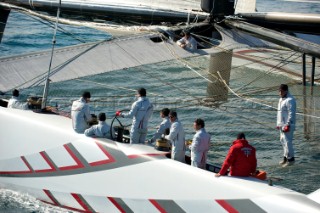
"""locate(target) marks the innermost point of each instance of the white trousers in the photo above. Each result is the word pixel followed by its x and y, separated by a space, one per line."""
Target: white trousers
pixel 138 136
pixel 178 155
pixel 200 162
pixel 287 145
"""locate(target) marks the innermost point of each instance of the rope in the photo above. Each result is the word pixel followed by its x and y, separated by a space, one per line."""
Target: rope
pixel 224 82
pixel 166 83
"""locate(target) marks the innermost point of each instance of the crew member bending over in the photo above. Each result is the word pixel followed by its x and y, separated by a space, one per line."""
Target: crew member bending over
pixel 14 101
pixel 165 124
pixel 241 159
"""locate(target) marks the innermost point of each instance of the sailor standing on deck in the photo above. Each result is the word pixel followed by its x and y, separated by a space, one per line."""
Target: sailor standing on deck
pixel 286 122
pixel 200 145
pixel 177 138
pixel 80 113
pixel 141 111
pixel 14 101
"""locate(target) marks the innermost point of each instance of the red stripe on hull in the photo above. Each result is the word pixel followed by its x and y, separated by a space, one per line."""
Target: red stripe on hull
pixel 77 160
pixel 116 204
pixel 109 160
pixel 19 172
pixel 79 200
pixel 157 205
pixel 52 169
pixel 227 206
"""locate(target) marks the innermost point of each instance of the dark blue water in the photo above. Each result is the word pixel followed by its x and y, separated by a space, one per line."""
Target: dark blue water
pixel 26 34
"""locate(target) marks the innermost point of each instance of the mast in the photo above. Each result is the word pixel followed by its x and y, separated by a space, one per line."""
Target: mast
pixel 46 86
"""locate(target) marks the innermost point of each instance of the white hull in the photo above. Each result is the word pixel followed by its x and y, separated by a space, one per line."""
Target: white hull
pixel 40 154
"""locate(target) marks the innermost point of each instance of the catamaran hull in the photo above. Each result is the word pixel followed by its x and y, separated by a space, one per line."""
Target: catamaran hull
pixel 142 10
pixel 43 156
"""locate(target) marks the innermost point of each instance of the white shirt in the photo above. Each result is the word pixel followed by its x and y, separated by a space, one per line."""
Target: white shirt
pixel 80 114
pixel 286 111
pixel 101 130
pixel 165 124
pixel 15 103
pixel 191 43
pixel 176 136
pixel 200 145
pixel 141 111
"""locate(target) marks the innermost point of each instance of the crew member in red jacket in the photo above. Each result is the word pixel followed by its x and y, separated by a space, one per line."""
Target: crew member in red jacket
pixel 241 158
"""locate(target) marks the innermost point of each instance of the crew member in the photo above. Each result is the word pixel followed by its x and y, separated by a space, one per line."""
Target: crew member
pixel 80 113
pixel 187 42
pixel 164 125
pixel 241 159
pixel 14 101
pixel 100 130
pixel 200 145
pixel 141 111
pixel 176 138
pixel 286 121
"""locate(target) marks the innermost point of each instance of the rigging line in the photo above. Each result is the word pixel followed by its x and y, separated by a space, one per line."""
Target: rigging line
pixel 220 79
pixel 244 64
pixel 114 88
pixel 49 24
pixel 187 64
pixel 262 60
pixel 223 81
pixel 46 86
pixel 99 26
pixel 266 73
pixel 58 67
pixel 179 59
pixel 63 65
pixel 251 100
pixel 247 118
pixel 273 57
pixel 166 83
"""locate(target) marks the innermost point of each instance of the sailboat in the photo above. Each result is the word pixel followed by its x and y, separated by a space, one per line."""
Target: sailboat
pixel 48 160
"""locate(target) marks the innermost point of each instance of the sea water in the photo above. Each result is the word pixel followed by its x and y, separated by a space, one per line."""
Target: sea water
pixel 24 34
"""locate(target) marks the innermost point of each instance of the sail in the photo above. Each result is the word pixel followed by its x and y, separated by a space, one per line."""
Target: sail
pixel 77 61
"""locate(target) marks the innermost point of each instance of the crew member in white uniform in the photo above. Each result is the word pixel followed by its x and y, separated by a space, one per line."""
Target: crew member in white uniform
pixel 286 122
pixel 14 101
pixel 101 130
pixel 187 42
pixel 164 125
pixel 176 138
pixel 200 145
pixel 80 113
pixel 141 111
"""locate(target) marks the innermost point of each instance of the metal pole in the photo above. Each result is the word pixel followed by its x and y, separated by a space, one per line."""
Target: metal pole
pixel 313 70
pixel 304 69
pixel 46 86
